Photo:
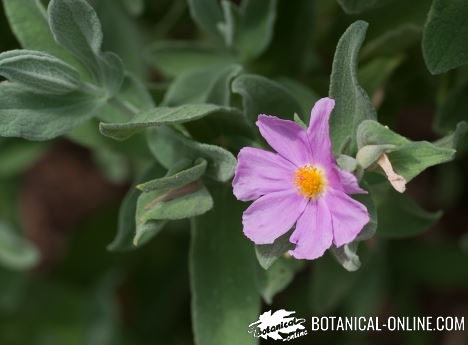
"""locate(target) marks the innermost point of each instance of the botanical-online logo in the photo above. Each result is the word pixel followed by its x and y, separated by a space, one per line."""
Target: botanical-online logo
pixel 271 325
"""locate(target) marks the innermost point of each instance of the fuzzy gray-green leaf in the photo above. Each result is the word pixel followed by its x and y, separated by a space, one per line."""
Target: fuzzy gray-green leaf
pixel 39 72
pixel 263 96
pixel 352 103
pixel 444 37
pixel 267 254
pixel 255 28
pixel 222 275
pixel 28 21
pixel 176 180
pixel 160 116
pixel 451 140
pixel 408 158
pixel 41 117
pixel 76 27
pixel 126 228
pixel 347 256
pixel 170 146
pixel 186 201
pixel 277 277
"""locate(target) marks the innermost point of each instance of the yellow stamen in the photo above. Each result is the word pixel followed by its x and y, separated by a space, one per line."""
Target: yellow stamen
pixel 310 181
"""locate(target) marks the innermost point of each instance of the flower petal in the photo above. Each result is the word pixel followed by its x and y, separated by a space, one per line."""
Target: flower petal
pixel 272 215
pixel 319 130
pixel 318 135
pixel 259 172
pixel 350 183
pixel 314 232
pixel 285 137
pixel 348 216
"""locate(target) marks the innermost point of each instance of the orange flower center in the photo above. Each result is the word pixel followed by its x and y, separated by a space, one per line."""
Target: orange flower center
pixel 310 181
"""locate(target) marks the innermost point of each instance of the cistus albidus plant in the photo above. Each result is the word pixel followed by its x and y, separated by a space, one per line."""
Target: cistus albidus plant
pixel 248 109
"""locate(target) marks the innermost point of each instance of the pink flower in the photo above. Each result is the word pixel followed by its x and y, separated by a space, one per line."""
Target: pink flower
pixel 300 184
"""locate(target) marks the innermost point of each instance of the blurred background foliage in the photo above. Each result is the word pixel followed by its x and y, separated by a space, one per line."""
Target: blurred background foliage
pixel 59 284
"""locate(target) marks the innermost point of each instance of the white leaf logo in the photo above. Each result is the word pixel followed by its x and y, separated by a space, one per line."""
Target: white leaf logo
pixel 271 325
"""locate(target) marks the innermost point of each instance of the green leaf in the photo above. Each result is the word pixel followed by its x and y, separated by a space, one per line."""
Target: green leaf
pixel 126 229
pixel 207 14
pixel 352 103
pixel 173 58
pixel 411 159
pixel 186 201
pixel 76 26
pixel 401 217
pixel 42 117
pixel 178 195
pixel 444 37
pixel 254 29
pixel 16 253
pixel 169 147
pixel 28 20
pixel 370 154
pixel 277 277
pixel 267 254
pixel 222 275
pixel 147 231
pixel 347 163
pixel 330 284
pixel 451 141
pixel 160 116
pixel 358 6
pixel 180 177
pixel 408 158
pixel 39 72
pixel 263 96
pixel 347 257
pixel 207 85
